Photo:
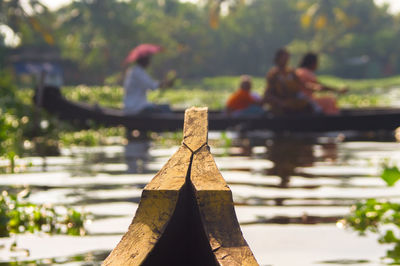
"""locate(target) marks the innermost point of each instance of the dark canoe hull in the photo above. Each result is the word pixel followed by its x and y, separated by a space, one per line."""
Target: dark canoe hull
pixel 350 119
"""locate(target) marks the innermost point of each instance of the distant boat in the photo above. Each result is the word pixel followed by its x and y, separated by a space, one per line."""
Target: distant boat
pixel 359 119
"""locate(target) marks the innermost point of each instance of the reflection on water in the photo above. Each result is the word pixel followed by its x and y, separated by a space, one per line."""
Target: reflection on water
pixel 137 155
pixel 281 180
pixel 89 258
pixel 345 262
pixel 309 174
pixel 288 154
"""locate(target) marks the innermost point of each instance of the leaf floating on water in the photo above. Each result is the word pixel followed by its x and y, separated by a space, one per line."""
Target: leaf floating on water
pixel 390 175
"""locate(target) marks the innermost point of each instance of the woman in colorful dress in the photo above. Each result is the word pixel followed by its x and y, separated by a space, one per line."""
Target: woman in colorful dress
pixel 284 90
pixel 306 74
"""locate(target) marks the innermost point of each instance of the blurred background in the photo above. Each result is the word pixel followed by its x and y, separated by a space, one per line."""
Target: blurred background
pixel 356 39
pixel 69 193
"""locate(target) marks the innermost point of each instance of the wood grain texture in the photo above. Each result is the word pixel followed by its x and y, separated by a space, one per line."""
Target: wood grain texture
pixel 195 128
pixel 186 214
pixel 156 207
pixel 217 212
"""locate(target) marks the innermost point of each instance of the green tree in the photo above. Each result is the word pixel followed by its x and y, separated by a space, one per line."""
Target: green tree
pixel 28 20
pixel 346 30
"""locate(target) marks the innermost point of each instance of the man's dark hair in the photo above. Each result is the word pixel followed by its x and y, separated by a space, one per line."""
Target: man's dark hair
pixel 309 60
pixel 279 53
pixel 143 61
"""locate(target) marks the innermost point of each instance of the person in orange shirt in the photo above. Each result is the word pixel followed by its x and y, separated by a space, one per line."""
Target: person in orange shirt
pixel 243 101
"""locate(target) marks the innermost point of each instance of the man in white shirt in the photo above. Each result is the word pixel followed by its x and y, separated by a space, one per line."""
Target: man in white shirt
pixel 136 84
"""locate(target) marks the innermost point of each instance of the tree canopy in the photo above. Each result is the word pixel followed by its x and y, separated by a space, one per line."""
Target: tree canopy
pixel 355 38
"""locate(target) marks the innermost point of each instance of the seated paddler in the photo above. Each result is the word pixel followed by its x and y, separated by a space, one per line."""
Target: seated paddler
pixel 283 93
pixel 138 82
pixel 306 74
pixel 243 101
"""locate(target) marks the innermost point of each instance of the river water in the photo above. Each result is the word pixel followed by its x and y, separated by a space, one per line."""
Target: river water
pixel 289 192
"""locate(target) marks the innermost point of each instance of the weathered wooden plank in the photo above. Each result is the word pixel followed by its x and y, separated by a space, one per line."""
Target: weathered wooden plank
pixel 157 205
pixel 186 215
pixel 195 128
pixel 214 199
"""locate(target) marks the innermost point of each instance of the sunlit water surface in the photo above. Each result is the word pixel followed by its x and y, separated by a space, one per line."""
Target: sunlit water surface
pixel 289 192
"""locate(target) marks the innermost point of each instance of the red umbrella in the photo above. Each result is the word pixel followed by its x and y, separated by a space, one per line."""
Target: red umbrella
pixel 142 50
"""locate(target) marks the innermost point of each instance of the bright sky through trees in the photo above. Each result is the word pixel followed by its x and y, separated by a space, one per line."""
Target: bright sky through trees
pixel 356 39
pixel 394 4
pixel 54 4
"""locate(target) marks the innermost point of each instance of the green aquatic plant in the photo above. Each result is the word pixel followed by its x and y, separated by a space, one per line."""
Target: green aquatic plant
pixel 379 216
pixel 10 138
pixel 18 215
pixel 167 139
pixel 92 137
pixel 227 141
pixel 21 122
pixel 10 134
pixel 390 174
pixel 25 129
pixel 361 84
pixel 224 141
pixel 110 96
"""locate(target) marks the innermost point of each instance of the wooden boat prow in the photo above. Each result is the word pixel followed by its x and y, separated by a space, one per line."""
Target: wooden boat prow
pixel 186 214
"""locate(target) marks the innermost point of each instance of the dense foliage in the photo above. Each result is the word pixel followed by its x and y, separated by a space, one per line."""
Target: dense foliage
pixel 10 112
pixel 211 38
pixel 22 124
pixel 17 215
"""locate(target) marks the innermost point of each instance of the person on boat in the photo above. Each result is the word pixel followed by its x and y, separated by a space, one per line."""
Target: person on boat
pixel 284 90
pixel 137 82
pixel 244 102
pixel 306 73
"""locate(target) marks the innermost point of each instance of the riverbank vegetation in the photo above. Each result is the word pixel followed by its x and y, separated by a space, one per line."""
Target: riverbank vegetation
pixel 213 92
pixel 27 129
pixel 18 215
pixel 216 39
